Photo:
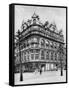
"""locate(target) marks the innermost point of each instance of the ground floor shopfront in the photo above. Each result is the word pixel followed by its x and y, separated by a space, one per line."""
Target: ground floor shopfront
pixel 37 66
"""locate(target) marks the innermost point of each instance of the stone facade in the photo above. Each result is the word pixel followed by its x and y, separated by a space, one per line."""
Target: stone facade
pixel 38 45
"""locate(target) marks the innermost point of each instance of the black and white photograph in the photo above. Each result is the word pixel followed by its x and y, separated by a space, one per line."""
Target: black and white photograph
pixel 40 44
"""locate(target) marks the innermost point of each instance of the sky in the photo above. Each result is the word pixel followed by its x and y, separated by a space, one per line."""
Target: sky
pixel 52 14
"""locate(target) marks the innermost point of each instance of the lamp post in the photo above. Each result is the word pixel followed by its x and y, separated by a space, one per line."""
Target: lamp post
pixel 18 36
pixel 61 64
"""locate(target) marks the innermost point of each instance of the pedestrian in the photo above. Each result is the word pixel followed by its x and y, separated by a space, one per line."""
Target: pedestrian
pixel 40 71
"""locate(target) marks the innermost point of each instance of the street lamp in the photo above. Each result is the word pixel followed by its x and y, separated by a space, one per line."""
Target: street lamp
pixel 19 36
pixel 61 64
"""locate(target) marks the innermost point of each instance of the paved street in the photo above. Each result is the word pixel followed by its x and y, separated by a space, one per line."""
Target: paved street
pixel 45 77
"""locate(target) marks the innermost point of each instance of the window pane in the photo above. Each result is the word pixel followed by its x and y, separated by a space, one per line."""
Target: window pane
pixel 24 57
pixel 36 56
pixel 32 56
pixel 32 51
pixel 51 55
pixel 36 51
pixel 42 55
pixel 47 55
pixel 28 55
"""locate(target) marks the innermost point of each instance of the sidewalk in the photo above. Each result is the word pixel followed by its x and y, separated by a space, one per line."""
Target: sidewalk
pixel 45 77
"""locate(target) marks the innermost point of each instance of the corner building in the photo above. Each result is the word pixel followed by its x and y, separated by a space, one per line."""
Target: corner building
pixel 38 45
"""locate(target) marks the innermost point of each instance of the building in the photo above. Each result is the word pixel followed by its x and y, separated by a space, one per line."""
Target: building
pixel 38 46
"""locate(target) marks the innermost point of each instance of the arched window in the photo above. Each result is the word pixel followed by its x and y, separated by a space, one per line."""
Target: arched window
pixel 51 55
pixel 35 39
pixel 34 42
pixel 51 44
pixel 47 43
pixel 47 55
pixel 29 41
pixel 42 55
pixel 42 43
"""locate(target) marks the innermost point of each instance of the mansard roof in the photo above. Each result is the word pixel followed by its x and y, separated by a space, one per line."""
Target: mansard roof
pixel 35 20
pixel 35 26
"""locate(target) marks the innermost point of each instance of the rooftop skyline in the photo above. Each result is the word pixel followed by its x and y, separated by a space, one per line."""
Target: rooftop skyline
pixel 57 15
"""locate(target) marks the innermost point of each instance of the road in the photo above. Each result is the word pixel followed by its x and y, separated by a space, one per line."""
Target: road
pixel 45 77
